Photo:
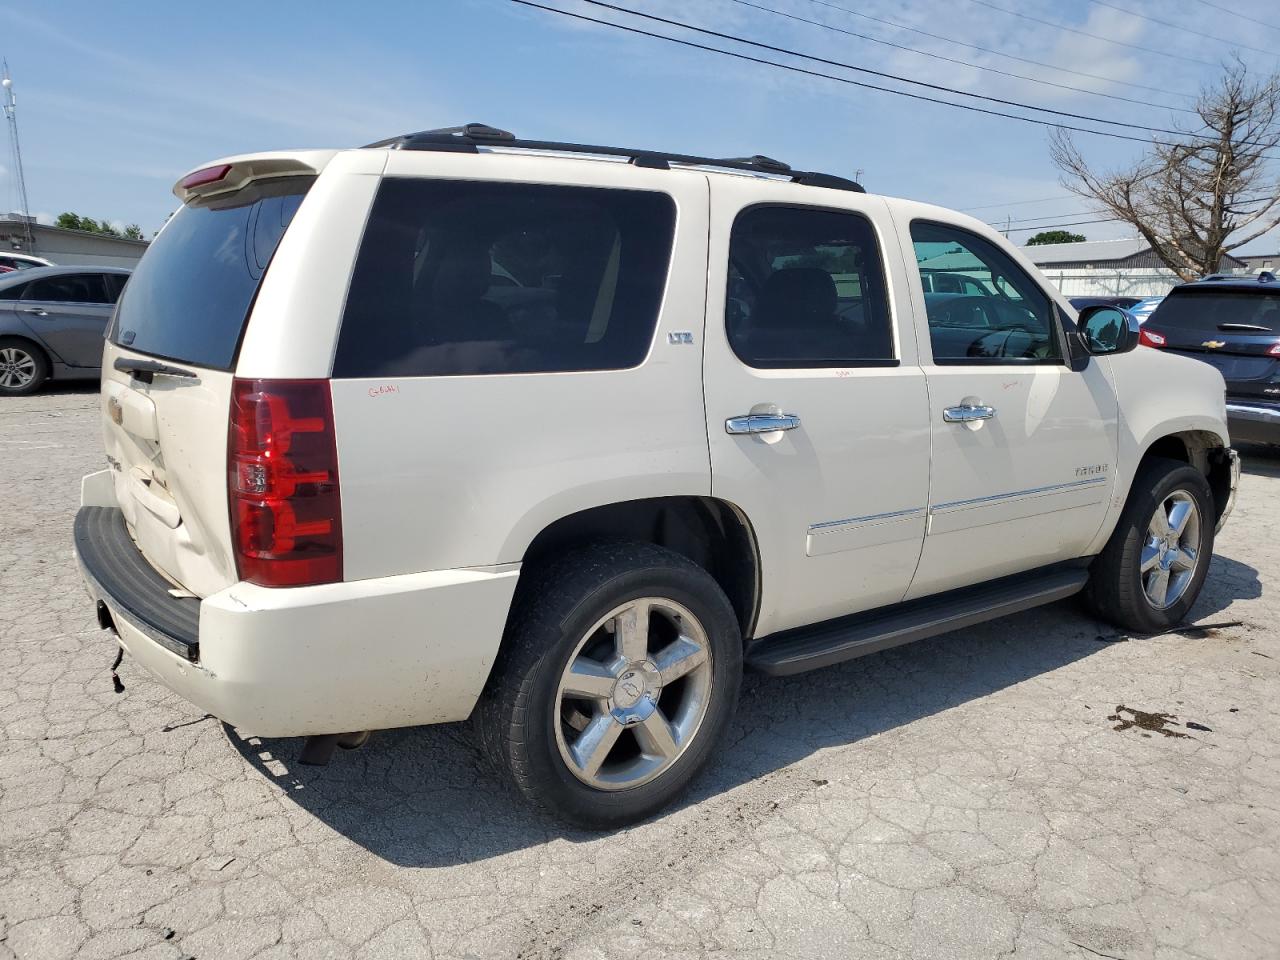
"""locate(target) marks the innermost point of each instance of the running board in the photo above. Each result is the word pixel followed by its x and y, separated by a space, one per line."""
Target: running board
pixel 833 641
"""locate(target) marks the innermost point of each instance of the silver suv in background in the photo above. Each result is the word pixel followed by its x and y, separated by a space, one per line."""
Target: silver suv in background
pixel 52 321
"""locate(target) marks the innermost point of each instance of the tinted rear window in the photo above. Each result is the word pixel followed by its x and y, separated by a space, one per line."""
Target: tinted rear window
pixel 190 294
pixel 1204 310
pixel 460 277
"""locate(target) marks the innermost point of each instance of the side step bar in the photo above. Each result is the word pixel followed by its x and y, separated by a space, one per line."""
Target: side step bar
pixel 833 641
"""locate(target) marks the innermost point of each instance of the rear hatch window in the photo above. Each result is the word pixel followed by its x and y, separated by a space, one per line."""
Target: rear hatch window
pixel 190 295
pixel 459 277
pixel 1231 321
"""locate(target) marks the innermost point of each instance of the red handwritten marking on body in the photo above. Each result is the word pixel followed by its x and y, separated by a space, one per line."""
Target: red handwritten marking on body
pixel 384 388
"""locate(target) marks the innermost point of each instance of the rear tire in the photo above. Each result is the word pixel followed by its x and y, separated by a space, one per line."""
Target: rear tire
pixel 617 680
pixel 1150 573
pixel 24 367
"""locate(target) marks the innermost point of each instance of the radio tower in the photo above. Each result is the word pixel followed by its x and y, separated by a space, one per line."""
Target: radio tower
pixel 11 114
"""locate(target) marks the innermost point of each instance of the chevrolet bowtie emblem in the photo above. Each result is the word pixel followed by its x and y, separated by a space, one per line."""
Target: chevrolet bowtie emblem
pixel 1214 344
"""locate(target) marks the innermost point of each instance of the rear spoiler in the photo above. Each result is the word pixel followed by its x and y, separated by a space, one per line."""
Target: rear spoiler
pixel 233 173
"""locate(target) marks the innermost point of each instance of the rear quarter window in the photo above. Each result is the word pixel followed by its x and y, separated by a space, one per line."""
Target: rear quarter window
pixel 465 277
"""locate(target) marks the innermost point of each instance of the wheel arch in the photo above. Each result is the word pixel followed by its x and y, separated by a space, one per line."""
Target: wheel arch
pixel 713 533
pixel 1205 450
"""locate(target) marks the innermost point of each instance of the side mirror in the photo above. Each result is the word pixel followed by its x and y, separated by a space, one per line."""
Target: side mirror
pixel 1106 330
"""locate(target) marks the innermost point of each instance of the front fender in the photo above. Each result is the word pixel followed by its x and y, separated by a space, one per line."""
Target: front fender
pixel 1160 395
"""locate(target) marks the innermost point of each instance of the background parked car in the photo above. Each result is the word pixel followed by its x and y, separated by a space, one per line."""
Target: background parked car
pixel 52 321
pixel 21 261
pixel 1143 309
pixel 1233 324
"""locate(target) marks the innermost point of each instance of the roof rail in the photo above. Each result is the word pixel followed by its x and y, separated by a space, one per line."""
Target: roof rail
pixel 473 137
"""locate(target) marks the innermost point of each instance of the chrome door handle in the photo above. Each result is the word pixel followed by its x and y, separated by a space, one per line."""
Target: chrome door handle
pixel 967 414
pixel 36 310
pixel 761 423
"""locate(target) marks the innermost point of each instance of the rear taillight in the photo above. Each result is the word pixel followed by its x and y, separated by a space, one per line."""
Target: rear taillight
pixel 1274 351
pixel 282 464
pixel 1149 338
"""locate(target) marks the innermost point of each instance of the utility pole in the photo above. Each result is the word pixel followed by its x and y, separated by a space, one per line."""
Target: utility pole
pixel 11 114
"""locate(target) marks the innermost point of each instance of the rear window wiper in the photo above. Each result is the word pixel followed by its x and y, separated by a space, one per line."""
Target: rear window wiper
pixel 1227 327
pixel 130 365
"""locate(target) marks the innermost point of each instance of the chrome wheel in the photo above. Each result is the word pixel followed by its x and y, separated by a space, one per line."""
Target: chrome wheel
pixel 17 368
pixel 634 694
pixel 1172 551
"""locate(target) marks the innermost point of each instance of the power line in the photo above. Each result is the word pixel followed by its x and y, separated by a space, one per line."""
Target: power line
pixel 1078 213
pixel 963 63
pixel 1252 21
pixel 1091 36
pixel 1018 203
pixel 888 76
pixel 1174 26
pixel 999 53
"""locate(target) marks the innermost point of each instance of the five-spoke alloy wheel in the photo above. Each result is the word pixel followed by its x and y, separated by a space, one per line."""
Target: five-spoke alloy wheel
pixel 619 675
pixel 634 694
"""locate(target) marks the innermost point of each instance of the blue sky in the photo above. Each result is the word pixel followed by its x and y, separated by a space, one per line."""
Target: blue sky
pixel 116 101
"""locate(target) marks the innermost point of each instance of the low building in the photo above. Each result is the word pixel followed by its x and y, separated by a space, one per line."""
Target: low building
pixel 67 247
pixel 1255 262
pixel 1109 268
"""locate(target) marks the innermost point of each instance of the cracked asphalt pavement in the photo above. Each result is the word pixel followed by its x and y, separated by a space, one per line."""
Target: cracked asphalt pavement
pixel 1008 790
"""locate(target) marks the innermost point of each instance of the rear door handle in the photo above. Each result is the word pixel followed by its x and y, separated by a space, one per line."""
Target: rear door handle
pixel 38 311
pixel 968 414
pixel 761 423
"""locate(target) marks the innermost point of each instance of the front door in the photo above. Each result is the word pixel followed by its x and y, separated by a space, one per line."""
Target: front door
pixel 816 405
pixel 1024 447
pixel 69 312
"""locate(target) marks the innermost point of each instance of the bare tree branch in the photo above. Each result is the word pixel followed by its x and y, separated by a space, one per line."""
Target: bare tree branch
pixel 1189 197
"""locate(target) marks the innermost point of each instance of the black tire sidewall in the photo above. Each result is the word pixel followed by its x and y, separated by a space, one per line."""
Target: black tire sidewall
pixel 1156 486
pixel 646 572
pixel 42 367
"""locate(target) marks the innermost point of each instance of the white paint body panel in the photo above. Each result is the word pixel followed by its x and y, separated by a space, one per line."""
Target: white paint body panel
pixel 447 480
pixel 464 471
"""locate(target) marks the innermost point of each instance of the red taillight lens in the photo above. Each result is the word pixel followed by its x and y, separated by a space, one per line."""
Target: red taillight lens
pixel 282 466
pixel 1274 351
pixel 202 177
pixel 1149 338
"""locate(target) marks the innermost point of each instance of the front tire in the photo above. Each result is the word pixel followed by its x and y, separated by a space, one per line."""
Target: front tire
pixel 618 678
pixel 1150 573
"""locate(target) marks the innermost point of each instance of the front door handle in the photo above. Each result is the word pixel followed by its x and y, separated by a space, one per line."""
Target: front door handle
pixel 38 311
pixel 966 413
pixel 761 423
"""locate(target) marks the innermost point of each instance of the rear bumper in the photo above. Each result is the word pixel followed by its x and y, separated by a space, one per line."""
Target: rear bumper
pixel 1253 422
pixel 364 655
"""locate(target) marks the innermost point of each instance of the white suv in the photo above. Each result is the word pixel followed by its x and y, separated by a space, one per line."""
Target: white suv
pixel 565 436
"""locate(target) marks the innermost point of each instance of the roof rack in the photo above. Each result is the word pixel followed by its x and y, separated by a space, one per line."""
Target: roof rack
pixel 474 136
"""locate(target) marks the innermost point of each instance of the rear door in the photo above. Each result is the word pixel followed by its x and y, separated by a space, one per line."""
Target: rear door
pixel 186 304
pixel 816 406
pixel 69 312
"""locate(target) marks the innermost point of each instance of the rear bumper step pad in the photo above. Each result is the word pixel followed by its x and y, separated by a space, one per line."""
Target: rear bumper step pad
pixel 120 576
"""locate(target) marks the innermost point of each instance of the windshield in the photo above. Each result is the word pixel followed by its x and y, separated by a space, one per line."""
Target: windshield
pixel 190 295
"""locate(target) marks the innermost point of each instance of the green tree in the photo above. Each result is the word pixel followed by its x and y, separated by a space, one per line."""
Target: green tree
pixel 73 221
pixel 1055 236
